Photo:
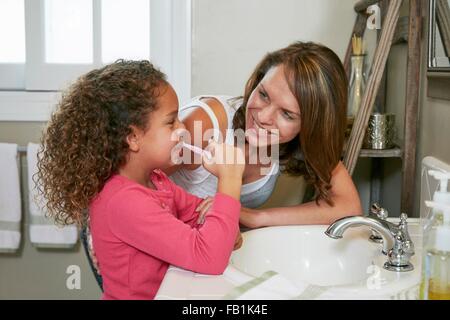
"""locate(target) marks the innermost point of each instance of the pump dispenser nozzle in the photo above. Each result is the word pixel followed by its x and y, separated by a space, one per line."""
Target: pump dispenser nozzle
pixel 442 177
pixel 441 195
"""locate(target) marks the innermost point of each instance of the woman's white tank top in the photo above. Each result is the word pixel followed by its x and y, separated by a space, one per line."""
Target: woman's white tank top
pixel 201 182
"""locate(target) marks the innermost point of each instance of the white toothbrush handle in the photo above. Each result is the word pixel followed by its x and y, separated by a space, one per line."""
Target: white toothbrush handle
pixel 198 150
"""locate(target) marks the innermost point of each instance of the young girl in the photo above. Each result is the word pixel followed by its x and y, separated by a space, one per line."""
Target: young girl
pixel 102 154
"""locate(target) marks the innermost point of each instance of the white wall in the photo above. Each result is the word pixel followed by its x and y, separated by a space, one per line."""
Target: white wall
pixel 230 37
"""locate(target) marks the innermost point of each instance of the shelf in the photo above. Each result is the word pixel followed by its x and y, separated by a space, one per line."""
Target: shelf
pixel 394 30
pixel 395 152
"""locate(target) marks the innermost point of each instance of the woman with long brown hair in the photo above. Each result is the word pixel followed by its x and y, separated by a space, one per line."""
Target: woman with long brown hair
pixel 298 95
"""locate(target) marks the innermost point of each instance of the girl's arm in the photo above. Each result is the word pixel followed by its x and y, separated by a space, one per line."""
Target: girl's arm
pixel 343 194
pixel 140 221
pixel 187 203
pixel 189 206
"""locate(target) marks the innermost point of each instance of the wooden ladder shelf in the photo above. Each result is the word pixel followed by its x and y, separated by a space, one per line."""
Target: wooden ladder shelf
pixel 408 152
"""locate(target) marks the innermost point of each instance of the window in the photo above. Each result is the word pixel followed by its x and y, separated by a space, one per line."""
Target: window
pixel 68 31
pixel 46 44
pixel 12 44
pixel 131 39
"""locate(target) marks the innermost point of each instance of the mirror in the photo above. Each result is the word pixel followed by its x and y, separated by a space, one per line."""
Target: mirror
pixel 439 36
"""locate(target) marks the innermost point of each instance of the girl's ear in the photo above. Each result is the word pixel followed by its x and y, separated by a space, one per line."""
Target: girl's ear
pixel 134 138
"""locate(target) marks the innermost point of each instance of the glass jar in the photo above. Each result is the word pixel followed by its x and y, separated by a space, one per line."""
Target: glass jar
pixel 357 86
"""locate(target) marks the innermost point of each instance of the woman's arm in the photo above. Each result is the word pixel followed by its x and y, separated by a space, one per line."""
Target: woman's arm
pixel 343 194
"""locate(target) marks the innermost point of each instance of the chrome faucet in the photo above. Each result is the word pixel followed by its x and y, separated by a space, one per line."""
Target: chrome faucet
pixel 397 244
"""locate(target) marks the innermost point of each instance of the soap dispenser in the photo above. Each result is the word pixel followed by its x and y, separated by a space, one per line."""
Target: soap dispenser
pixel 436 258
pixel 442 195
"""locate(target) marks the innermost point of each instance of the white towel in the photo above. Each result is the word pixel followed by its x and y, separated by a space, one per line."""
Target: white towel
pixel 43 231
pixel 273 286
pixel 10 199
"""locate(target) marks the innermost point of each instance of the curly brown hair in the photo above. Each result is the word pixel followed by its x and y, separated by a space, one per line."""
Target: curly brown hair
pixel 318 80
pixel 84 142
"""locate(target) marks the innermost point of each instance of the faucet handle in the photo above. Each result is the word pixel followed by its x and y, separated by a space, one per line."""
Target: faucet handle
pixel 399 256
pixel 403 227
pixel 403 218
pixel 378 211
pixel 381 214
pixel 375 207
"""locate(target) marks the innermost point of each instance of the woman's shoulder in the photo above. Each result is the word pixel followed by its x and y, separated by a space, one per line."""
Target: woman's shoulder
pixel 200 115
pixel 223 106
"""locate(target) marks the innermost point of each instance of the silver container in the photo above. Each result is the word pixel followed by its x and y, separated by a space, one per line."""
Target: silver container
pixel 381 133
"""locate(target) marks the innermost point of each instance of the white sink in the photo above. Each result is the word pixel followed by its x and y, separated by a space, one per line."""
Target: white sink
pixel 305 254
pixel 352 266
pixel 349 268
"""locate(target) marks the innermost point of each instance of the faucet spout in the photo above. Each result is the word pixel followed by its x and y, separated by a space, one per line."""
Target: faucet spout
pixel 397 244
pixel 337 229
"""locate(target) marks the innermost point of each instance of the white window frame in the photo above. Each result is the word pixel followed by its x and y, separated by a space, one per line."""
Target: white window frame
pixel 43 76
pixel 170 50
pixel 12 76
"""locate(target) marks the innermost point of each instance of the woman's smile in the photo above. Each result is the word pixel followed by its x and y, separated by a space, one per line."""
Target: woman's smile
pixel 258 135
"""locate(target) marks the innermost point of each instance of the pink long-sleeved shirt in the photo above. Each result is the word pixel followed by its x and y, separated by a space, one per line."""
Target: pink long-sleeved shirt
pixel 138 232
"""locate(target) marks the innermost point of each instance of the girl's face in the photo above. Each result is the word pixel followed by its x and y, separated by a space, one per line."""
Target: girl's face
pixel 157 142
pixel 273 113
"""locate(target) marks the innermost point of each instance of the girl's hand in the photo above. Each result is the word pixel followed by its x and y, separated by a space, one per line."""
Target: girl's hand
pixel 227 160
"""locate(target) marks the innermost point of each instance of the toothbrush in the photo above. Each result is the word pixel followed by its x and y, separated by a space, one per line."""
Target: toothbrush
pixel 197 150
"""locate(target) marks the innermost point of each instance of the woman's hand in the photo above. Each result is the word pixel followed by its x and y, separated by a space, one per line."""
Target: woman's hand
pixel 251 218
pixel 203 209
pixel 238 242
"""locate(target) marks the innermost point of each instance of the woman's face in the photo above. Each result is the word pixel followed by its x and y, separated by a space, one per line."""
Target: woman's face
pixel 273 113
